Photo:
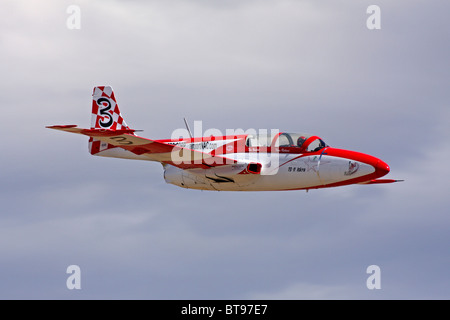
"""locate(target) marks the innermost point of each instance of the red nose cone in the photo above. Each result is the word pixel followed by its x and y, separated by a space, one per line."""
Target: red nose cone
pixel 382 168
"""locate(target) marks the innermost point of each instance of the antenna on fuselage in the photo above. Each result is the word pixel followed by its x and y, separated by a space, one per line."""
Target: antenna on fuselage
pixel 187 127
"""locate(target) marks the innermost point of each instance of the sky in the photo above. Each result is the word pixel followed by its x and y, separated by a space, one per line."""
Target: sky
pixel 296 66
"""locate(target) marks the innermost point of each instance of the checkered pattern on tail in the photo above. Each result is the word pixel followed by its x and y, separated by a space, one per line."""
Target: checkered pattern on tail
pixel 105 115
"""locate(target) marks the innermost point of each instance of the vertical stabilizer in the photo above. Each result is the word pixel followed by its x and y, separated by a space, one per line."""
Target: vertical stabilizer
pixel 105 115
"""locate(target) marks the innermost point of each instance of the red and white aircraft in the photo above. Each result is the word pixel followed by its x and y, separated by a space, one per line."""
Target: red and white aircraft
pixel 245 162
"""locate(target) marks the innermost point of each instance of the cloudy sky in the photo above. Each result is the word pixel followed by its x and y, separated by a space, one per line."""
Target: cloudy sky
pixel 309 66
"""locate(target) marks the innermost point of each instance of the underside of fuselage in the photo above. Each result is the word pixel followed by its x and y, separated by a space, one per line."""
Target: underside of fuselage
pixel 285 172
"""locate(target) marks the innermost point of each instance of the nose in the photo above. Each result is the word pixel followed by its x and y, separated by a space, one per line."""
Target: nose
pixel 382 168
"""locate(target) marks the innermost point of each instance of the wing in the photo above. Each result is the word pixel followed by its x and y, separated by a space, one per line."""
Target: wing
pixel 148 149
pixel 377 181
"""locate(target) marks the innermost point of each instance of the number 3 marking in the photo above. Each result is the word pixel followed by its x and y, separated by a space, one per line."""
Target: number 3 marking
pixel 104 112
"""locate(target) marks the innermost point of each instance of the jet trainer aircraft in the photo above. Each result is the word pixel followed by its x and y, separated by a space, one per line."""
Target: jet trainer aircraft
pixel 244 162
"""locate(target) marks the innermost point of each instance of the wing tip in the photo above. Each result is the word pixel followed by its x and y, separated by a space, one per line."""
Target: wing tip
pixel 378 181
pixel 64 126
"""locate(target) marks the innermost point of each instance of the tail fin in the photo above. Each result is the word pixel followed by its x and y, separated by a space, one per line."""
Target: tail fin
pixel 105 115
pixel 105 110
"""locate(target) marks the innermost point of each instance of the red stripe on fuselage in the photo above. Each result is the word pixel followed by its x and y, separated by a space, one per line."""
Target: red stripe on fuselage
pixel 381 168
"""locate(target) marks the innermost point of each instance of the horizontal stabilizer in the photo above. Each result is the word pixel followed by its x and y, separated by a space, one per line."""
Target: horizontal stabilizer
pixel 92 132
pixel 152 150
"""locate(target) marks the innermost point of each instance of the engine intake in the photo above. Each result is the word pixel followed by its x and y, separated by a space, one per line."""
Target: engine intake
pixel 254 168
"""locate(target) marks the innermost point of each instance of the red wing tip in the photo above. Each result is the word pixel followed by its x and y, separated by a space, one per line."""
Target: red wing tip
pixel 375 181
pixel 62 126
pixel 106 132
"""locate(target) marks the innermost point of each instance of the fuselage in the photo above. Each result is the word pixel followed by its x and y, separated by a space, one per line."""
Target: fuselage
pixel 283 167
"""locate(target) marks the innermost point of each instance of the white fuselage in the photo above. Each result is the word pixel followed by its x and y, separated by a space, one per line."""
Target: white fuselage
pixel 279 172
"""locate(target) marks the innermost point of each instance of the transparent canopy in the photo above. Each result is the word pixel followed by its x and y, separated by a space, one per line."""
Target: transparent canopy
pixel 287 139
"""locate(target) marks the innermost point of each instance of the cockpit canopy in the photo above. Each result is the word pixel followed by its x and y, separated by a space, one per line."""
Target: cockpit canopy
pixel 302 141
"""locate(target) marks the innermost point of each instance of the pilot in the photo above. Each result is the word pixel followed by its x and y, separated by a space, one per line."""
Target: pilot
pixel 300 141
